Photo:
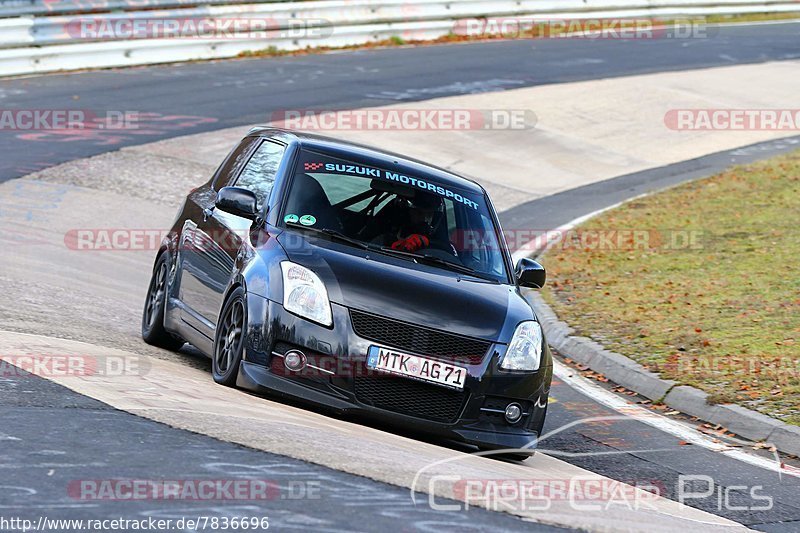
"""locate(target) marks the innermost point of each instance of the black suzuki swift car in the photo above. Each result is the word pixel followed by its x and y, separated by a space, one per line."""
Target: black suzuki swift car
pixel 359 280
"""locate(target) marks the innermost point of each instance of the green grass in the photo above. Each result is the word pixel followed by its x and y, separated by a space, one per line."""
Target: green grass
pixel 723 314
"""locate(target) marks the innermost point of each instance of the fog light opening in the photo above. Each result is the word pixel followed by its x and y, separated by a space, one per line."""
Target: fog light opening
pixel 294 360
pixel 513 413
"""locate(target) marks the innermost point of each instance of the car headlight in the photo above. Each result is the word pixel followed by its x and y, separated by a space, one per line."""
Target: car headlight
pixel 304 294
pixel 525 349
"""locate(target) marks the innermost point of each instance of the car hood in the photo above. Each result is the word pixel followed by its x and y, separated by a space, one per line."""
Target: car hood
pixel 420 294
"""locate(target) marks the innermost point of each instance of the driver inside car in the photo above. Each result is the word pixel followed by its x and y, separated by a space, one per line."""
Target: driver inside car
pixel 415 222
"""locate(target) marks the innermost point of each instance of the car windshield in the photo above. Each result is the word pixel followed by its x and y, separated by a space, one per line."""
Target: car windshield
pixel 415 217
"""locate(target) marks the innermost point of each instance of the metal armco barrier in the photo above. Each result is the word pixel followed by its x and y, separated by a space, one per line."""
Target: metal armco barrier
pixel 78 34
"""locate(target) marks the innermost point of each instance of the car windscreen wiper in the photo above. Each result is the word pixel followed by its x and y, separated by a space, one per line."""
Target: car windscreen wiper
pixel 438 261
pixel 332 234
pixel 391 251
pixel 456 267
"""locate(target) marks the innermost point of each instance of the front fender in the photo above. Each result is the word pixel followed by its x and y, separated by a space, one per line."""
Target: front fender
pixel 260 270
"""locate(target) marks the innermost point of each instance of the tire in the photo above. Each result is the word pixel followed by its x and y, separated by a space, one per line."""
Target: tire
pixel 229 339
pixel 153 331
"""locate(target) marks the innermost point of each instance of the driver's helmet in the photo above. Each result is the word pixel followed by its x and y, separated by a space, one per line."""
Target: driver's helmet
pixel 425 213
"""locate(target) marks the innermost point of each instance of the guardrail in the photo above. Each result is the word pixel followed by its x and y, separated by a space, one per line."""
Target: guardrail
pixel 19 8
pixel 33 44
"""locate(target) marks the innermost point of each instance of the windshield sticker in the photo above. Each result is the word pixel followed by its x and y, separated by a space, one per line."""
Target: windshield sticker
pixel 391 176
pixel 291 218
pixel 353 169
pixel 308 220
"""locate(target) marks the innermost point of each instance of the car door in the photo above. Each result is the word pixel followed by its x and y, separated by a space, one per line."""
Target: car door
pixel 217 237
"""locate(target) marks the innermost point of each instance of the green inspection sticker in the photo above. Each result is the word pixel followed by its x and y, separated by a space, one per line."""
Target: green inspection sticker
pixel 308 220
pixel 291 218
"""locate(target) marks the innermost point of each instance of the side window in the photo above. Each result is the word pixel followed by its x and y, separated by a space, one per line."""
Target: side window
pixel 228 169
pixel 259 173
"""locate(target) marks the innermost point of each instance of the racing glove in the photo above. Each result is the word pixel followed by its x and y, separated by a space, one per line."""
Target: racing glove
pixel 412 243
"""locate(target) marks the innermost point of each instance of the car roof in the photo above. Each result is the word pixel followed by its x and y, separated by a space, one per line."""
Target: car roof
pixel 382 158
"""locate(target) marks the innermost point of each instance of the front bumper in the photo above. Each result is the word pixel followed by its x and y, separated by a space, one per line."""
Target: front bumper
pixel 337 379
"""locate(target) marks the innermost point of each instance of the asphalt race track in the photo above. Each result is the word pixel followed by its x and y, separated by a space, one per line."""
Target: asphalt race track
pixel 126 446
pixel 208 96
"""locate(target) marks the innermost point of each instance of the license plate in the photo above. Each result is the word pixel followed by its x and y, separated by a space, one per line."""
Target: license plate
pixel 414 366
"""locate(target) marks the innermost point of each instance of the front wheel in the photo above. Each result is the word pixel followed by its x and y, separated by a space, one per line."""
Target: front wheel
pixel 153 331
pixel 229 339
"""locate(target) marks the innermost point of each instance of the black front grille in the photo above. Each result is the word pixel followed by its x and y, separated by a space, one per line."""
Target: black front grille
pixel 410 397
pixel 416 339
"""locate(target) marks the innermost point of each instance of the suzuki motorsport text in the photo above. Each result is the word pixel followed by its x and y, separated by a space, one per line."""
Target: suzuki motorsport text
pixel 358 280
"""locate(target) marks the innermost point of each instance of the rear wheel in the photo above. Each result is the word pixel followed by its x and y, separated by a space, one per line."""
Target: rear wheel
pixel 229 339
pixel 153 331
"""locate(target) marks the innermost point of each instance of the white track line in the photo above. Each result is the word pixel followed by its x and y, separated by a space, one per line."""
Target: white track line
pixel 540 243
pixel 663 423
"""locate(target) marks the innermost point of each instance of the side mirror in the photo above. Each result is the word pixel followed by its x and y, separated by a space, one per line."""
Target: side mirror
pixel 238 201
pixel 529 273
